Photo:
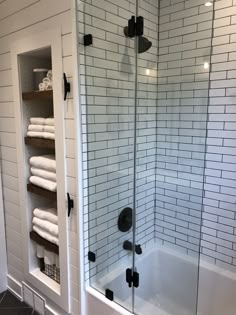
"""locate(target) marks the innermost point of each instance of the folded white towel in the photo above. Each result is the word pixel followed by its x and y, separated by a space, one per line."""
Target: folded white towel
pixel 49 122
pixel 37 128
pixel 38 134
pixel 50 129
pixel 45 162
pixel 46 226
pixel 41 128
pixel 37 120
pixel 44 183
pixel 49 215
pixel 44 174
pixel 46 236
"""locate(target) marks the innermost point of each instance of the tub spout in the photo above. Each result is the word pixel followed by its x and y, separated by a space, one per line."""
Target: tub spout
pixel 127 245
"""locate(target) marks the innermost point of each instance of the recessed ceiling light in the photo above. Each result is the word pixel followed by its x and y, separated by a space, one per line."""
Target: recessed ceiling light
pixel 206 65
pixel 208 4
pixel 147 71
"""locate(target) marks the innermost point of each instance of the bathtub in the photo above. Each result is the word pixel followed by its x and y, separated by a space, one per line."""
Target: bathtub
pixel 168 286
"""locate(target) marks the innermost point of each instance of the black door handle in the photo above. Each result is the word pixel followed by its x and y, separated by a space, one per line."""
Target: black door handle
pixel 70 204
pixel 66 86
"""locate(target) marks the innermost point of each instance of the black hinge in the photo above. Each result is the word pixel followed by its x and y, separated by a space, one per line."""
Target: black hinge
pixel 132 278
pixel 109 294
pixel 91 256
pixel 135 28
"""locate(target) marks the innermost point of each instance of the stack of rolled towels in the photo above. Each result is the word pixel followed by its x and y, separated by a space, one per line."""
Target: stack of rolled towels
pixel 45 224
pixel 43 172
pixel 47 82
pixel 40 127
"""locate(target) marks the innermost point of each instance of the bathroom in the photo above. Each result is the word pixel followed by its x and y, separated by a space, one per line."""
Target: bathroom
pixel 117 157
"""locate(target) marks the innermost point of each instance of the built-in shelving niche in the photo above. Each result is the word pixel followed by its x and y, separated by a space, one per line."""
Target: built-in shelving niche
pixel 33 103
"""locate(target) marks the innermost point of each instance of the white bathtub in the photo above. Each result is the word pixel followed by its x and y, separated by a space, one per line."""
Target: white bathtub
pixel 168 286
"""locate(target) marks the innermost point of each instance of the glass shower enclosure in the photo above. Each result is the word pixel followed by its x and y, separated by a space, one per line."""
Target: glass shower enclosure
pixel 144 75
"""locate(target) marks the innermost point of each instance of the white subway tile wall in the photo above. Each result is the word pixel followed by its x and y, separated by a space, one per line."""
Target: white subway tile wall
pixel 185 31
pixel 219 221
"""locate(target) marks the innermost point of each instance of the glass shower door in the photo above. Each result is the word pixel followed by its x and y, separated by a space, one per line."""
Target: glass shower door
pixel 107 75
pixel 173 70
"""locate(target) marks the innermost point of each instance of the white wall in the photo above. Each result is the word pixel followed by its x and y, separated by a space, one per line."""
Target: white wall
pixel 19 19
pixel 3 260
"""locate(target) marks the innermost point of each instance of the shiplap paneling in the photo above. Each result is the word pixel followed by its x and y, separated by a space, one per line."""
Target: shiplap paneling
pixel 17 21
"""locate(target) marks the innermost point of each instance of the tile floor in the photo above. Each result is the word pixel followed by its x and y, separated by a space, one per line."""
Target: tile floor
pixel 10 305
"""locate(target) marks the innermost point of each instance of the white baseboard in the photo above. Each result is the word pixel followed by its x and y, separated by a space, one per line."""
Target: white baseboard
pixel 16 288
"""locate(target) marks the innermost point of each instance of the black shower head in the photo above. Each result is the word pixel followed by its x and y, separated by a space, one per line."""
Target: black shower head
pixel 143 44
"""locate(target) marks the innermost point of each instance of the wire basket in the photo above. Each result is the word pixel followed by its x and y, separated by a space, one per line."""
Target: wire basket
pixel 50 270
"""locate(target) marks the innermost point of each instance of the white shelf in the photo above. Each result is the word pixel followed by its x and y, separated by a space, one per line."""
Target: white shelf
pixel 40 276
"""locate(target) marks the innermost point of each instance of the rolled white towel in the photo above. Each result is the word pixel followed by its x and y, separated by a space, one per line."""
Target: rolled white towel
pixel 37 121
pixel 49 74
pixel 43 183
pixel 43 135
pixel 49 215
pixel 44 174
pixel 45 162
pixel 49 122
pixel 37 128
pixel 46 236
pixel 42 86
pixel 46 226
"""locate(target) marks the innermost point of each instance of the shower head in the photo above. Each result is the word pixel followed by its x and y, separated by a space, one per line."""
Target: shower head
pixel 143 44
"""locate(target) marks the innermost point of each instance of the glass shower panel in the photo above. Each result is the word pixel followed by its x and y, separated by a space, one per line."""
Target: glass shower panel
pixel 169 268
pixel 107 96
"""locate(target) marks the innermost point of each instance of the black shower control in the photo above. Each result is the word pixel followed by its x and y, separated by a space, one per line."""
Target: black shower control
pixel 125 220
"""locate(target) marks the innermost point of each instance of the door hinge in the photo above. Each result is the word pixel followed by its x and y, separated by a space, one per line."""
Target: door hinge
pixel 135 27
pixel 132 278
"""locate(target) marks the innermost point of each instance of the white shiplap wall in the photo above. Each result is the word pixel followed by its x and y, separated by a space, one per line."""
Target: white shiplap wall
pixel 19 19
